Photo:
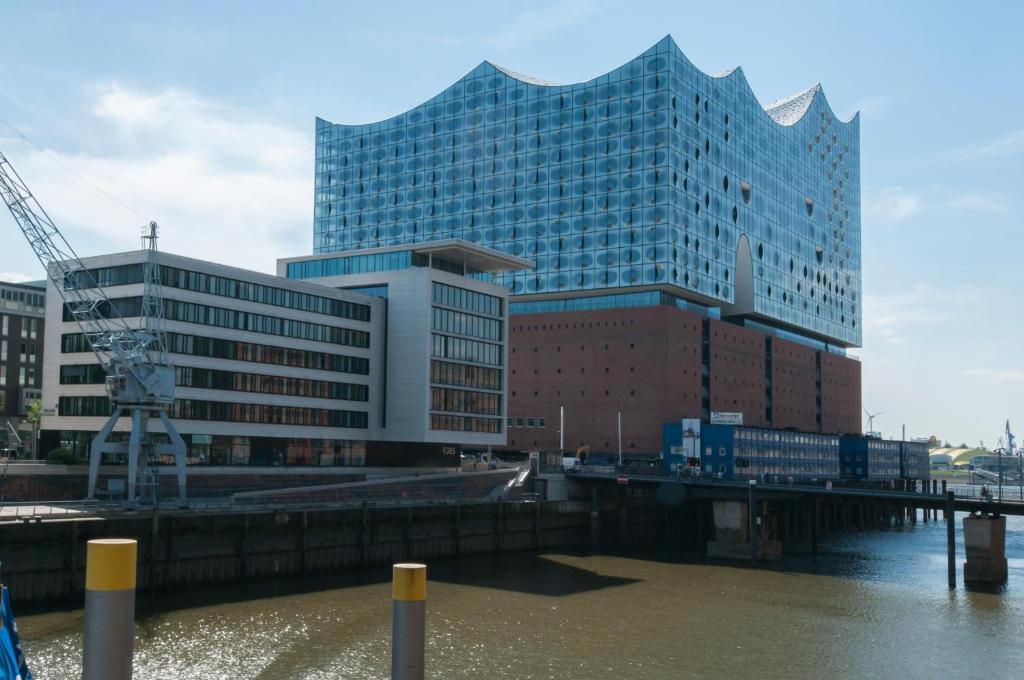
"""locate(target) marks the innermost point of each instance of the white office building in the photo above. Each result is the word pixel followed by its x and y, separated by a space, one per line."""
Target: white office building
pixel 394 364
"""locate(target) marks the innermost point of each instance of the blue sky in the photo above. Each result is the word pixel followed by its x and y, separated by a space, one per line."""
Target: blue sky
pixel 201 117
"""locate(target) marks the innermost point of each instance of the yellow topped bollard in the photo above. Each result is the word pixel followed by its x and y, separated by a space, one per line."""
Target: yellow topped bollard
pixel 408 621
pixel 109 609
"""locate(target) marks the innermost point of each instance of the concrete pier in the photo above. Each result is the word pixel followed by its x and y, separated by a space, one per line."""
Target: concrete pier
pixel 733 534
pixel 985 542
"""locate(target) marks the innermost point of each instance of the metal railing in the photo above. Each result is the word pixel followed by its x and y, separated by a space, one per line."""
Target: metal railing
pixel 27 510
pixel 1009 493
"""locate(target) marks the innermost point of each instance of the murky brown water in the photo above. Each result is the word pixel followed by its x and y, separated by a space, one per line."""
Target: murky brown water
pixel 875 605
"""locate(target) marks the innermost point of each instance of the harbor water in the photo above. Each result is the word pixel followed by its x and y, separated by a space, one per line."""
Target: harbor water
pixel 873 605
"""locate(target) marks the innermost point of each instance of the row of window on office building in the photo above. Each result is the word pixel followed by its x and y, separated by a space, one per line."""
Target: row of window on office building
pixel 176 310
pixel 238 350
pixel 29 327
pixel 198 409
pixel 183 279
pixel 31 301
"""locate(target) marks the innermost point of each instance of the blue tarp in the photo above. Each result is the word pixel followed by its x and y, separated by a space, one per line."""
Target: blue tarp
pixel 12 660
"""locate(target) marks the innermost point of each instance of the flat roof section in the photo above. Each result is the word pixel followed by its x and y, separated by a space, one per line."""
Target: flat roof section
pixel 455 250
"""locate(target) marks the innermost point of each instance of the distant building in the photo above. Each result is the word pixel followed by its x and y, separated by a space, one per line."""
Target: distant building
pixel 278 371
pixel 956 457
pixel 22 333
pixel 869 458
pixel 694 251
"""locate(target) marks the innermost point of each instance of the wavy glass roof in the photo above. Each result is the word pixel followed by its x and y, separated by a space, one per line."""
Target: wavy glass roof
pixel 785 111
pixel 522 77
pixel 648 175
pixel 789 110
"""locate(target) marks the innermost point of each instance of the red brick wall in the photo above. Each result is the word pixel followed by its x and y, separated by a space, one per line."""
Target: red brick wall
pixel 644 362
pixel 793 389
pixel 840 394
pixel 737 371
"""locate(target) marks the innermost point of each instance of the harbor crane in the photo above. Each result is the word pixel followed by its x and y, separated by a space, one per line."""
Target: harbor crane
pixel 139 375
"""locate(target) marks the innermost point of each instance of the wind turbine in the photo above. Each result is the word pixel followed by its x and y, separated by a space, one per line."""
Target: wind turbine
pixel 871 421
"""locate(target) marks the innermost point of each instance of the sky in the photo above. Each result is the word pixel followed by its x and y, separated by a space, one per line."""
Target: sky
pixel 200 116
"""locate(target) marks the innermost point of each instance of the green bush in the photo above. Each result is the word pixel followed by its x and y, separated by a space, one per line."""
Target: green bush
pixel 61 456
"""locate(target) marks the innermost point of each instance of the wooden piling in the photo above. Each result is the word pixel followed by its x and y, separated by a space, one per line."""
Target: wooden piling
pixel 951 539
pixel 701 519
pixel 456 533
pixel 752 526
pixel 814 528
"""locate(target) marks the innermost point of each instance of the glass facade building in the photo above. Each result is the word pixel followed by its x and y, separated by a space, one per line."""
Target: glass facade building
pixel 655 174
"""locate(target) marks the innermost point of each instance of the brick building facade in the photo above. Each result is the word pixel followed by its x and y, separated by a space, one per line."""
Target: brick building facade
pixel 650 364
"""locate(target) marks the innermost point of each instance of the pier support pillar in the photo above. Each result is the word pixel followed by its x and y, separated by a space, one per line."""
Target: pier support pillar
pixel 622 517
pixel 595 517
pixel 701 521
pixel 814 529
pixel 985 543
pixel 950 540
pixel 752 532
pixel 456 530
pixel 734 538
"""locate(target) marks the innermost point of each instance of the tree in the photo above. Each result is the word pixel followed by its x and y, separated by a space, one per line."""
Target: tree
pixel 34 415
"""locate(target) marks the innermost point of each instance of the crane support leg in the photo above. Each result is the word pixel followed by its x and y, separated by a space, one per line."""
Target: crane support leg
pixel 96 451
pixel 134 451
pixel 178 449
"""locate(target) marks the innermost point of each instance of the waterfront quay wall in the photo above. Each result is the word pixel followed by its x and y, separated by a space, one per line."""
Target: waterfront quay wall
pixel 38 482
pixel 44 562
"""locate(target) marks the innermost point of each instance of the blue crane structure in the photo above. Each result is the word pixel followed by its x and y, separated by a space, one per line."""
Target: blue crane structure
pixel 139 374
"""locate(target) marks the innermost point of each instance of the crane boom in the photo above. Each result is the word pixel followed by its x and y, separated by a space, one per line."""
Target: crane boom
pixel 140 377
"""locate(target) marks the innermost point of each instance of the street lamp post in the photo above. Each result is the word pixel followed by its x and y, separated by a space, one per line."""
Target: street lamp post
pixel 620 437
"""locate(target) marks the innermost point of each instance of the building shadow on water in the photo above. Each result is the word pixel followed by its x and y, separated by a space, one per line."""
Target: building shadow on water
pixel 529 573
pixel 522 572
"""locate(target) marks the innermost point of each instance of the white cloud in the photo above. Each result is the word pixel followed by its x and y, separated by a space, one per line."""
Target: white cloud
pixel 536 24
pixel 977 202
pixel 994 376
pixel 222 185
pixel 1009 144
pixel 892 317
pixel 890 204
pixel 14 277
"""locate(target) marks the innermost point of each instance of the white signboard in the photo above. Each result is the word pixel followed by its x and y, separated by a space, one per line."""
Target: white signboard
pixel 726 418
